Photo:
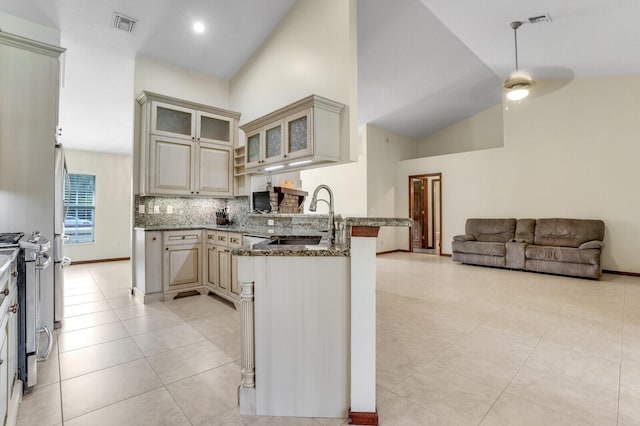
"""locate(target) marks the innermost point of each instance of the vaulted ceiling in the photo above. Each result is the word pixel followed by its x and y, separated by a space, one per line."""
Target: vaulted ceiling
pixel 423 64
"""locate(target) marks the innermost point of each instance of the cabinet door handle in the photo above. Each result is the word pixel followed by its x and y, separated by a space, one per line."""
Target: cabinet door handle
pixel 5 291
pixel 13 308
pixel 183 237
pixel 192 192
pixel 285 156
pixel 167 248
pixel 197 192
pixel 154 238
pixel 14 274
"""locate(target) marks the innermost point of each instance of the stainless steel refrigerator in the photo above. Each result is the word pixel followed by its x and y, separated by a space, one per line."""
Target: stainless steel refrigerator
pixel 62 183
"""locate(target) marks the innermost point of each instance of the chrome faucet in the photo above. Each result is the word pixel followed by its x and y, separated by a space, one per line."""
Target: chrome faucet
pixel 314 205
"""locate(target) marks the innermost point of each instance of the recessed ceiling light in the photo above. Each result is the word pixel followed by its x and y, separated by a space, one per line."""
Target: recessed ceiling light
pixel 198 27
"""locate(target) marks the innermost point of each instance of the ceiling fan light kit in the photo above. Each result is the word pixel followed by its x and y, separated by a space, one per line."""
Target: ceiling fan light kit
pixel 519 83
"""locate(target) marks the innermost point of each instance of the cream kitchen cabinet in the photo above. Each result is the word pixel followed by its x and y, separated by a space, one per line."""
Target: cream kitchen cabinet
pixel 147 265
pixel 10 386
pixel 182 262
pixel 184 148
pixel 305 134
pixel 181 167
pixel 222 265
pixel 173 120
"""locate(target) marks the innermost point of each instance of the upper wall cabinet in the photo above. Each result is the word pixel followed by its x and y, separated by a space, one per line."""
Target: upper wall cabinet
pixel 184 148
pixel 303 135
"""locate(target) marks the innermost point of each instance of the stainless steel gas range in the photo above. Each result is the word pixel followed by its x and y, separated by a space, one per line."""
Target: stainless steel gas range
pixel 32 260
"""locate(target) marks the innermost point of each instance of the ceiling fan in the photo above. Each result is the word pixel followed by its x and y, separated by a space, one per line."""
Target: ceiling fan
pixel 519 83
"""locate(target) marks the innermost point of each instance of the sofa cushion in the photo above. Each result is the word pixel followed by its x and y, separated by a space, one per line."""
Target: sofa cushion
pixel 491 230
pixel 477 247
pixel 567 232
pixel 464 237
pixel 563 254
pixel 524 230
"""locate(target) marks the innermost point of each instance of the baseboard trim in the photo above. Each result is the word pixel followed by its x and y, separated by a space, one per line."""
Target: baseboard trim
pixel 445 254
pixel 113 259
pixel 363 418
pixel 629 274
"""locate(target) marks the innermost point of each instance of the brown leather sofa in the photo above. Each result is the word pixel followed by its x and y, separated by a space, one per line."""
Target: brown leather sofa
pixel 557 246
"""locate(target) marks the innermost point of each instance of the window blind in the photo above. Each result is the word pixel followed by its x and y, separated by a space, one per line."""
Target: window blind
pixel 80 198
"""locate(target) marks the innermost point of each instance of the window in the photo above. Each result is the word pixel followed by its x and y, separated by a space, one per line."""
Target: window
pixel 80 197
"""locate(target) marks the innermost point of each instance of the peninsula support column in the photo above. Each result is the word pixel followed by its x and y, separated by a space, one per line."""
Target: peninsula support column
pixel 247 390
pixel 363 409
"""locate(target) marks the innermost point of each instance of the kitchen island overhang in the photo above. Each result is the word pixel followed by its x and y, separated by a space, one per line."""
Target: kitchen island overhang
pixel 308 326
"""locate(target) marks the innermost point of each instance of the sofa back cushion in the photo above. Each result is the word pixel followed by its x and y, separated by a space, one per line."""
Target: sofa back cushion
pixel 524 230
pixel 491 230
pixel 567 232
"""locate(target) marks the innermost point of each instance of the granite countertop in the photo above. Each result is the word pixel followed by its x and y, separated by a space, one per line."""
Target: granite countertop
pixel 266 249
pixel 6 257
pixel 260 231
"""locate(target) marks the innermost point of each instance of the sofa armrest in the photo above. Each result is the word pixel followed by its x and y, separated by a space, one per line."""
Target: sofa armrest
pixel 465 237
pixel 595 244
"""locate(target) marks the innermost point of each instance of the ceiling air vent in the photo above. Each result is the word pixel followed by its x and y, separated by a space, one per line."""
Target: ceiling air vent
pixel 540 18
pixel 123 22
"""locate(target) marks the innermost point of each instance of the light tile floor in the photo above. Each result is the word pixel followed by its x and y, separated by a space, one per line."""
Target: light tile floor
pixel 457 345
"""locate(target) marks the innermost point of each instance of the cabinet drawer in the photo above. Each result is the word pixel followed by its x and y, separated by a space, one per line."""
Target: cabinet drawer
pixel 235 240
pixel 211 237
pixel 221 238
pixel 182 237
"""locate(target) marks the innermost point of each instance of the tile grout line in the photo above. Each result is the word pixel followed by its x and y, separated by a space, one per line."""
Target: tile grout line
pixel 514 376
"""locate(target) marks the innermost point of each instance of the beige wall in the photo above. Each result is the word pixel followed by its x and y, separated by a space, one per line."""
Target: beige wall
pixel 312 51
pixel 480 131
pixel 168 79
pixel 384 150
pixel 113 205
pixel 572 153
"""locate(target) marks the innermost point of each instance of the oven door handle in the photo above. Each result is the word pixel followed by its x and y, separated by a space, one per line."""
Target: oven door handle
pixel 47 261
pixel 44 356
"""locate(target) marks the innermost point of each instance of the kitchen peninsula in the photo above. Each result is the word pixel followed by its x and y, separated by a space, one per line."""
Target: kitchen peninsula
pixel 308 326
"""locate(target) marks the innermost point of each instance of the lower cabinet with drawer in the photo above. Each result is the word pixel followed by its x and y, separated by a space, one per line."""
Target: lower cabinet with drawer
pixel 182 262
pixel 10 386
pixel 221 265
pixel 167 263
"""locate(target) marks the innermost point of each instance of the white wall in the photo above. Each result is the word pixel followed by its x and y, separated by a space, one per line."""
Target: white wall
pixel 481 131
pixel 384 150
pixel 572 153
pixel 312 51
pixel 113 205
pixel 14 25
pixel 168 79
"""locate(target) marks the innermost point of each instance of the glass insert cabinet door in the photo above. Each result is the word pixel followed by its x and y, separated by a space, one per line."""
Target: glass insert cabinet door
pixel 298 139
pixel 213 128
pixel 172 120
pixel 273 143
pixel 253 149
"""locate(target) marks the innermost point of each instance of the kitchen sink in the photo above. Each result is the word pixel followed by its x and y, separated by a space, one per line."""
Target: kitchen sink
pixel 296 241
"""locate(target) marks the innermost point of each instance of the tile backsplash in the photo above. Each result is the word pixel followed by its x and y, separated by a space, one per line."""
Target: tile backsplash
pixel 188 211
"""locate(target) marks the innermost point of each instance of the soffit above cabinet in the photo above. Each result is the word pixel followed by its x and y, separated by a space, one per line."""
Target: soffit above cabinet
pixel 308 133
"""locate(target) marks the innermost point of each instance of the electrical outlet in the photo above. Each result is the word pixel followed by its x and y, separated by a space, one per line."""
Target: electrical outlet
pixel 270 231
pixel 141 209
pixel 169 209
pixel 156 209
pixel 270 222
